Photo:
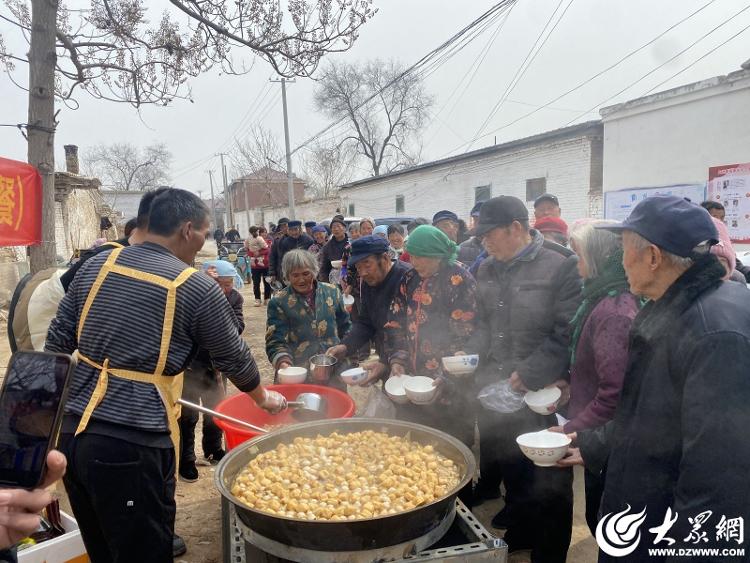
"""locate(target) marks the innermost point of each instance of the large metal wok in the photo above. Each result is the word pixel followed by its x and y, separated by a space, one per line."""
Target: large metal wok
pixel 349 535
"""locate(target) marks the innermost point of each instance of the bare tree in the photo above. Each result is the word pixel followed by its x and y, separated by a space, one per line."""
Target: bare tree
pixel 259 149
pixel 118 51
pixel 259 153
pixel 123 166
pixel 326 166
pixel 386 129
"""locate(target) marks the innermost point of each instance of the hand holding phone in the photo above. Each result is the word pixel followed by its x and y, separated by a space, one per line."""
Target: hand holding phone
pixel 19 509
pixel 31 409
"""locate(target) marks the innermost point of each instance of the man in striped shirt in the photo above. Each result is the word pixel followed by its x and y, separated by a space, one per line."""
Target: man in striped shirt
pixel 136 316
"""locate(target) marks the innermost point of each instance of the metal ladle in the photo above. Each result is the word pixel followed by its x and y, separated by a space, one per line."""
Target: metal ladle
pixel 308 406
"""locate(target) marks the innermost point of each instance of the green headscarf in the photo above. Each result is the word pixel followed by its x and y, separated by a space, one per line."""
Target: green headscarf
pixel 431 242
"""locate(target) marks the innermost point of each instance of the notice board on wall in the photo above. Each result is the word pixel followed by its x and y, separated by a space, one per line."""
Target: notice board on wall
pixel 618 204
pixel 730 186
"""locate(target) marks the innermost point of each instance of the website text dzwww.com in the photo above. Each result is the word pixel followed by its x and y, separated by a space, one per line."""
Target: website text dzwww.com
pixel 696 552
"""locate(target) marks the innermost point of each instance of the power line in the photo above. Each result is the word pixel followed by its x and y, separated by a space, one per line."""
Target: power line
pixel 669 60
pixel 523 68
pixel 719 46
pixel 588 80
pixel 441 51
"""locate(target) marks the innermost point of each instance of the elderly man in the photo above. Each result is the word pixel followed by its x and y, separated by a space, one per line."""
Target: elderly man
pixel 677 451
pixel 546 205
pixel 135 316
pixel 293 239
pixel 382 279
pixel 447 221
pixel 530 289
pixel 469 250
pixel 309 228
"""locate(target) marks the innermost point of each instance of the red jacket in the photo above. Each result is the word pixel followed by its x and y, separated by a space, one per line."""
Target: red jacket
pixel 259 260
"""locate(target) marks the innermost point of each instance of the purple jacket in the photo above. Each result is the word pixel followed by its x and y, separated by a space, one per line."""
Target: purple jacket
pixel 600 362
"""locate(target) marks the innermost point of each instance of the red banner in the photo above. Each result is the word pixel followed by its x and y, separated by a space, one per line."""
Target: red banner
pixel 20 204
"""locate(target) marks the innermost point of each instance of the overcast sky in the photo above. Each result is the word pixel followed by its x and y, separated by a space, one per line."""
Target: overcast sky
pixel 592 35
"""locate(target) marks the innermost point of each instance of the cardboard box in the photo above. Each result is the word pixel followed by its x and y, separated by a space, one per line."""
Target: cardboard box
pixel 67 548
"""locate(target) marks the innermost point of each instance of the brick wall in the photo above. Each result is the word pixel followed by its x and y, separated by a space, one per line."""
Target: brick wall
pixel 572 169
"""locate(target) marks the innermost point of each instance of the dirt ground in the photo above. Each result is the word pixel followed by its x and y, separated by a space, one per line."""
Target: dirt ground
pixel 198 504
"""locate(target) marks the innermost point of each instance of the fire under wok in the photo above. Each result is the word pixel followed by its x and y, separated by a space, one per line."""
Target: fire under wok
pixel 347 535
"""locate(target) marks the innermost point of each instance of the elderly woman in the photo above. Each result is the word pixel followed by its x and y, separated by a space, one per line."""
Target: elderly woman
pixel 599 344
pixel 305 318
pixel 432 316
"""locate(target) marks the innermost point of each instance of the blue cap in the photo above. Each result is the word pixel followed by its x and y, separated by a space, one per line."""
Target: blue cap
pixel 319 229
pixel 310 224
pixel 293 224
pixel 224 269
pixel 367 246
pixel 444 215
pixel 475 210
pixel 670 222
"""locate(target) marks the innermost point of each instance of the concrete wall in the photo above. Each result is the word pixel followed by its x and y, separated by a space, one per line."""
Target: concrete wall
pixel 572 169
pixel 673 137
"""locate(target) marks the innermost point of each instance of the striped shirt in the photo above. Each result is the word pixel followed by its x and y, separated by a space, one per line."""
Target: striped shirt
pixel 125 325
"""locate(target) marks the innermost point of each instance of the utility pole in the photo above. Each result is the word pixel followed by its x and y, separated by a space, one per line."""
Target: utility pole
pixel 227 194
pixel 213 205
pixel 289 175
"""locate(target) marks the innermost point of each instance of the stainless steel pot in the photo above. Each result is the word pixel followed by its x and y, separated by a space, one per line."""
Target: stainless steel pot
pixel 347 535
pixel 322 368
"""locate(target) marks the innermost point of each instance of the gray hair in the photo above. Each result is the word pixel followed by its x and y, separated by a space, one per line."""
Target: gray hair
pixel 594 245
pixel 353 227
pixel 369 220
pixel 681 263
pixel 298 259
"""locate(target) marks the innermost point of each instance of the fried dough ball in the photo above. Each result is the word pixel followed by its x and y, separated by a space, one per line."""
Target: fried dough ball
pixel 345 477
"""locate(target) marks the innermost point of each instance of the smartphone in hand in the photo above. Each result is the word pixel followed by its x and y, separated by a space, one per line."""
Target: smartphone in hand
pixel 31 408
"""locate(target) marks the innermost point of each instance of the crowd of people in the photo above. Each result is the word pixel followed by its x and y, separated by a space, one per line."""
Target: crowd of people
pixel 643 325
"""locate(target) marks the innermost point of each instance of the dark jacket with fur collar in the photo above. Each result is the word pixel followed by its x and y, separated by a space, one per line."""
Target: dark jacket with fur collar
pixel 679 439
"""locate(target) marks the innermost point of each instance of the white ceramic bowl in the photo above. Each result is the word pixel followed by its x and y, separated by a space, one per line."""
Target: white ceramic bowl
pixel 543 401
pixel 544 448
pixel 461 365
pixel 420 389
pixel 292 375
pixel 353 376
pixel 336 264
pixel 394 388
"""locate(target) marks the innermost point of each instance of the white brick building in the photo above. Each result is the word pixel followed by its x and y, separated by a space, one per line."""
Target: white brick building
pixel 566 162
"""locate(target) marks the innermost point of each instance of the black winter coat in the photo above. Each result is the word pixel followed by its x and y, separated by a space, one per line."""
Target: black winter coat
pixel 331 251
pixel 469 251
pixel 282 246
pixel 679 438
pixel 525 313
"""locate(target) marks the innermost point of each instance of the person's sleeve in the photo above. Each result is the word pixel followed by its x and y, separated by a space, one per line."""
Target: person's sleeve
pixel 479 341
pixel 62 336
pixel 325 264
pixel 550 360
pixel 394 332
pixel 363 329
pixel 343 322
pixel 594 445
pixel 215 330
pixel 463 319
pixel 273 257
pixel 714 422
pixel 277 330
pixel 237 303
pixel 610 346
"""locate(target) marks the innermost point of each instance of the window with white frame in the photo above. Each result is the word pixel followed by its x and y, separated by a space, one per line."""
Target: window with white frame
pixel 535 187
pixel 482 193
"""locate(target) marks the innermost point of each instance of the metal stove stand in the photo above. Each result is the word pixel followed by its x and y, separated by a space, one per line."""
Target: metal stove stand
pixel 242 545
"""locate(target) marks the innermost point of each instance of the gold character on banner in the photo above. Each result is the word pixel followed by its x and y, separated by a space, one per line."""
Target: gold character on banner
pixel 7 200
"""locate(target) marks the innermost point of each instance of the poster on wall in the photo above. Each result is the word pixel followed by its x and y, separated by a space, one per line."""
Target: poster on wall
pixel 619 204
pixel 20 204
pixel 730 186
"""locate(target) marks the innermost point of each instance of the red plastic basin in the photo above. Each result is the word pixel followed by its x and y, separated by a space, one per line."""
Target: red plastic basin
pixel 241 406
